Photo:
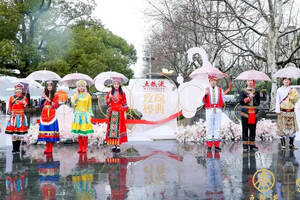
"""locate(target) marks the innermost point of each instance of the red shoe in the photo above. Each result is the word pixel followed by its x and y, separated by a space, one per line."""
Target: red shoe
pixel 47 148
pixel 50 147
pixel 85 143
pixel 80 159
pixel 80 143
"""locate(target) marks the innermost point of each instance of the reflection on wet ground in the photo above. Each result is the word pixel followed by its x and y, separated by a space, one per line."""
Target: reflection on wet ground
pixel 151 170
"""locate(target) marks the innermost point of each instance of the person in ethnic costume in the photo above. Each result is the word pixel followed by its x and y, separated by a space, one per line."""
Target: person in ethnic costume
pixel 286 99
pixel 16 177
pixel 82 126
pixel 116 168
pixel 49 131
pixel 49 177
pixel 82 179
pixel 17 124
pixel 213 102
pixel 214 185
pixel 249 101
pixel 286 176
pixel 248 171
pixel 116 129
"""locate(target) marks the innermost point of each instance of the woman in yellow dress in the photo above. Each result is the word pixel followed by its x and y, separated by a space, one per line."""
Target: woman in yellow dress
pixel 82 126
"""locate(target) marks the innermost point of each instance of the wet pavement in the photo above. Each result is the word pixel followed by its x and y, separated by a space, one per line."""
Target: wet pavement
pixel 151 170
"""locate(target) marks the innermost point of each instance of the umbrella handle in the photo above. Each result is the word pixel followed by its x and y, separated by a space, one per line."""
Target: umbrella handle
pixel 229 87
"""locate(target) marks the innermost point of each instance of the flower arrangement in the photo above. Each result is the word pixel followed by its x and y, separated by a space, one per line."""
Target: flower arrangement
pixel 191 133
pixel 95 139
pixel 266 131
pixel 98 137
pixel 32 136
pixel 231 131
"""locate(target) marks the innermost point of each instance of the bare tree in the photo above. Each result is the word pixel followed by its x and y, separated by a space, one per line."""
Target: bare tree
pixel 237 34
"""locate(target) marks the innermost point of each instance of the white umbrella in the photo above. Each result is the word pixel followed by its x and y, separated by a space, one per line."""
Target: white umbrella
pixel 30 82
pixel 44 75
pixel 7 83
pixel 71 79
pixel 288 72
pixel 105 79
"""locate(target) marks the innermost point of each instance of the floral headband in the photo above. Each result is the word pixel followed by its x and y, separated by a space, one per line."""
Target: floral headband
pixel 81 83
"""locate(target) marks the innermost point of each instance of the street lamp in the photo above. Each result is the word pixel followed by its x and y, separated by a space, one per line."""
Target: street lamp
pixel 149 59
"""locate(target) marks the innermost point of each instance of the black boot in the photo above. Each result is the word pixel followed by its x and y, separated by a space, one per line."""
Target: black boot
pixel 18 144
pixel 253 147
pixel 282 140
pixel 14 144
pixel 245 146
pixel 292 146
pixel 209 149
pixel 118 149
pixel 114 149
pixel 16 158
pixel 218 149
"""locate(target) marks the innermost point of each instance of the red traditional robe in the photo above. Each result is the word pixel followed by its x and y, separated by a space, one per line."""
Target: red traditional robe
pixel 49 110
pixel 49 130
pixel 17 123
pixel 116 127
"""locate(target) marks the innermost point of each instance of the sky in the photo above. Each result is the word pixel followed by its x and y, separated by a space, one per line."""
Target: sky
pixel 125 18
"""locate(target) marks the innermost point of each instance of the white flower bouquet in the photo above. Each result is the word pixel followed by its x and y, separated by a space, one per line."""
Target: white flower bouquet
pixel 266 131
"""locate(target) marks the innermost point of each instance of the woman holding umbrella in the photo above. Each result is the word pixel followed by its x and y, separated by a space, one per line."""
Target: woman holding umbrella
pixel 17 124
pixel 116 129
pixel 82 101
pixel 49 131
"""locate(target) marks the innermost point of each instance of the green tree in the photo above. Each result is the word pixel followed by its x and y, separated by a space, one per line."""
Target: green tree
pixel 90 48
pixel 94 49
pixel 59 35
pixel 29 23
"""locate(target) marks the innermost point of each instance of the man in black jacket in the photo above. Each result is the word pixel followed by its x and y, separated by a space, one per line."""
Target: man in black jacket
pixel 249 100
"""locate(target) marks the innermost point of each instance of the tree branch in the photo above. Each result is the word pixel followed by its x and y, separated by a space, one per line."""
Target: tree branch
pixel 288 32
pixel 242 21
pixel 290 58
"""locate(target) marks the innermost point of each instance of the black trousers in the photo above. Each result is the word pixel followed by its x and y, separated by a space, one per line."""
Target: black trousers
pixel 248 170
pixel 246 128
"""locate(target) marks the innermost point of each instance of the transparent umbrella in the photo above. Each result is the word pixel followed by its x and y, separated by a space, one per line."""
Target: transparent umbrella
pixel 253 75
pixel 71 79
pixel 291 71
pixel 104 79
pixel 205 71
pixel 44 75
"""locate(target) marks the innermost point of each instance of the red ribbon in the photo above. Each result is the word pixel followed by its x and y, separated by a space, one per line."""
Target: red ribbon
pixel 141 121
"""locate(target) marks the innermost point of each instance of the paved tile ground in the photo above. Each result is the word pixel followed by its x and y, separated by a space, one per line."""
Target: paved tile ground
pixel 151 170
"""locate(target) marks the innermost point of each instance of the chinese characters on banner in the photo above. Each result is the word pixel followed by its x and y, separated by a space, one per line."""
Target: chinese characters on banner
pixel 156 99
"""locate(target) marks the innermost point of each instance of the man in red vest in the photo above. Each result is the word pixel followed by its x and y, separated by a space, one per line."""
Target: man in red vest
pixel 213 102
